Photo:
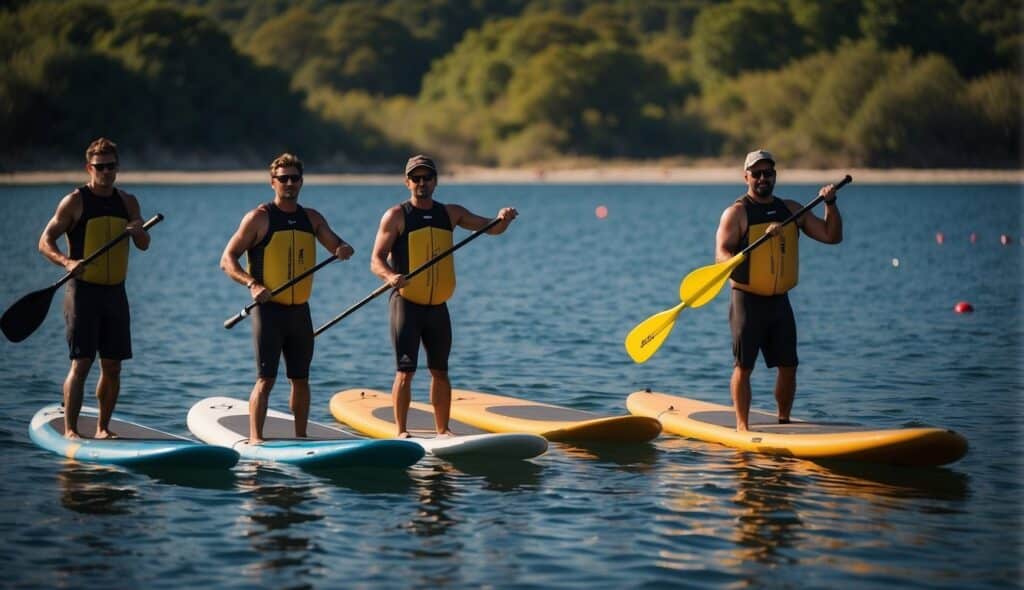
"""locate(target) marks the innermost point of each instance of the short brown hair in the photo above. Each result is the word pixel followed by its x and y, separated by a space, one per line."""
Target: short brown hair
pixel 286 160
pixel 99 147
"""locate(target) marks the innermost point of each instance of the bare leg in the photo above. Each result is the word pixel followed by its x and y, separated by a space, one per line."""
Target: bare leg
pixel 441 398
pixel 299 403
pixel 401 397
pixel 74 388
pixel 107 389
pixel 785 391
pixel 258 401
pixel 740 387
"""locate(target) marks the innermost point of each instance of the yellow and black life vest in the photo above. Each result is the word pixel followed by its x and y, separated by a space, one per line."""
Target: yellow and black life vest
pixel 288 249
pixel 428 232
pixel 773 267
pixel 103 219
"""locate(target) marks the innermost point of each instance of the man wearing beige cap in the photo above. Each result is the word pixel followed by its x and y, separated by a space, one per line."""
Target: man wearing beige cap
pixel 760 315
pixel 410 234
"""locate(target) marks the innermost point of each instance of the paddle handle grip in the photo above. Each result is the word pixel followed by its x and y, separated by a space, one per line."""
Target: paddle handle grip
pixel 230 322
pixel 103 249
pixel 845 181
pixel 416 271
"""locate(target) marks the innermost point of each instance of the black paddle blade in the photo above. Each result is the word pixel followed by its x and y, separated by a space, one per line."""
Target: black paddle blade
pixel 26 314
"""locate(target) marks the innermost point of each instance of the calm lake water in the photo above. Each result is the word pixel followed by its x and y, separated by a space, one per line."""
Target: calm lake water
pixel 541 313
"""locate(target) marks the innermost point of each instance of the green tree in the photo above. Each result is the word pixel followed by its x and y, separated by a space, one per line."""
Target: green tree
pixel 744 35
pixel 913 118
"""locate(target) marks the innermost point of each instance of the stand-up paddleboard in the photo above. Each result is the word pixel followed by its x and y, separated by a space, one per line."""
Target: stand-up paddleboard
pixel 224 421
pixel 803 439
pixel 498 413
pixel 370 412
pixel 135 445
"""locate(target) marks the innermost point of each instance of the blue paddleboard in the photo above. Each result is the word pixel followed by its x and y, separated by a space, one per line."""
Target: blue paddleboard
pixel 135 446
pixel 224 421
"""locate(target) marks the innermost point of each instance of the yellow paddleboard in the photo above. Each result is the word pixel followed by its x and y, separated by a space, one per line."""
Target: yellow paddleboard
pixel 807 440
pixel 498 413
pixel 369 411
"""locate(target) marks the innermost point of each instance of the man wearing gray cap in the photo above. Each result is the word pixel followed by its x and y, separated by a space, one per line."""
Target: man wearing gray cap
pixel 410 234
pixel 760 315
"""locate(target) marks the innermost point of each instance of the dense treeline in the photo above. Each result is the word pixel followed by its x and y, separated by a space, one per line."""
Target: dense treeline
pixel 357 84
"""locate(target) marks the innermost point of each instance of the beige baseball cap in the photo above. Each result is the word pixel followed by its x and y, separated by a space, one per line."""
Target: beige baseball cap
pixel 756 156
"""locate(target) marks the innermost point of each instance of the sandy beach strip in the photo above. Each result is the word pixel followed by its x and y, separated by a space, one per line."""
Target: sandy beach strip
pixel 596 175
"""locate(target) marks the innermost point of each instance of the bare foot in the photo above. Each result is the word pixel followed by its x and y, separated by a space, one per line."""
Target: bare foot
pixel 105 434
pixel 404 434
pixel 72 435
pixel 256 441
pixel 446 434
pixel 742 428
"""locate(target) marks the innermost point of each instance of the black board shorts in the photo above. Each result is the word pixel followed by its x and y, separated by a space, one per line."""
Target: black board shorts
pixel 412 323
pixel 762 323
pixel 97 319
pixel 286 329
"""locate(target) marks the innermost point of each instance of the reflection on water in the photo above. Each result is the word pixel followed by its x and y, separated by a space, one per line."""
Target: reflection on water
pixel 271 510
pixel 502 476
pixel 766 518
pixel 91 489
pixel 366 480
pixel 437 492
pixel 636 455
pixel 937 483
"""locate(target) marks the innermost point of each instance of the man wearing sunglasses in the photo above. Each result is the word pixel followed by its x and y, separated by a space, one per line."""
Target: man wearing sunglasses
pixel 279 239
pixel 410 234
pixel 760 314
pixel 95 303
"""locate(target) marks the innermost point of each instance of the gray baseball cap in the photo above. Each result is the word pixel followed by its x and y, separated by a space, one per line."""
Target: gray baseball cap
pixel 417 161
pixel 756 156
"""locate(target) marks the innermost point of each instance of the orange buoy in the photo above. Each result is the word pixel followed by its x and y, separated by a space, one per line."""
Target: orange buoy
pixel 601 211
pixel 963 307
pixel 939 238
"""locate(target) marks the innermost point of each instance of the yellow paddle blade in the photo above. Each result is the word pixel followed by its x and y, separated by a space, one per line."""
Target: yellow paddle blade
pixel 646 338
pixel 702 285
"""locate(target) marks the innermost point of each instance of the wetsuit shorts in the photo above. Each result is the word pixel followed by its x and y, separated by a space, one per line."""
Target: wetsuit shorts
pixel 287 329
pixel 97 320
pixel 762 323
pixel 412 323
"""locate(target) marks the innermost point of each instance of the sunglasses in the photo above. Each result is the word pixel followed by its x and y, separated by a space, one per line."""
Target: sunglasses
pixel 284 178
pixel 104 166
pixel 424 177
pixel 766 173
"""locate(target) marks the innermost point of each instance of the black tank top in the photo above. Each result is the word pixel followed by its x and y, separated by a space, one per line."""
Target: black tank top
pixel 102 220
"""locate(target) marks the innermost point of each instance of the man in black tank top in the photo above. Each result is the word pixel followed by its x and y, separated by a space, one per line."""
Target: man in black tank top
pixel 419 313
pixel 95 305
pixel 762 319
pixel 281 235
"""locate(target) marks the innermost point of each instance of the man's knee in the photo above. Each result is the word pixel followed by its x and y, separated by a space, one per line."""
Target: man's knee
pixel 110 367
pixel 80 367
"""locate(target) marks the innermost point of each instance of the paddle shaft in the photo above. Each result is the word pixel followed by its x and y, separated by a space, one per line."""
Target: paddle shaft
pixel 846 180
pixel 103 249
pixel 230 322
pixel 410 276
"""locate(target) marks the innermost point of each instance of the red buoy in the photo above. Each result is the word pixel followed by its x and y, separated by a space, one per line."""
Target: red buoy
pixel 939 238
pixel 963 307
pixel 974 237
pixel 1004 240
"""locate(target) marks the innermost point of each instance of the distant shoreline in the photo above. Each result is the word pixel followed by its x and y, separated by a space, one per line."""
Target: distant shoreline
pixel 592 175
